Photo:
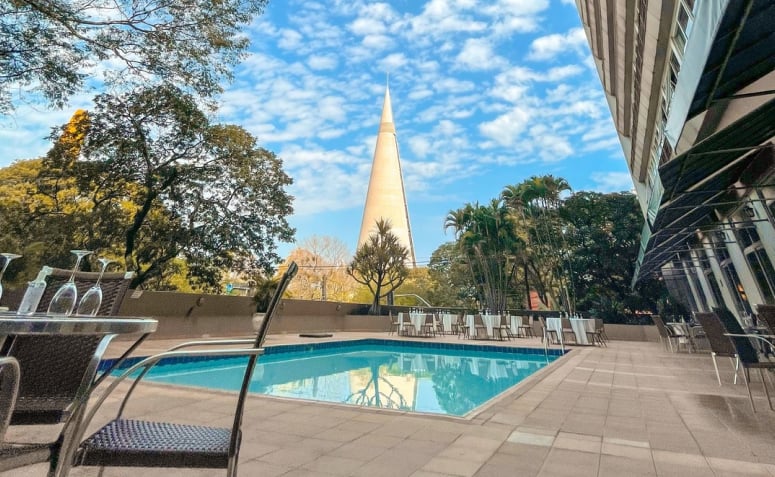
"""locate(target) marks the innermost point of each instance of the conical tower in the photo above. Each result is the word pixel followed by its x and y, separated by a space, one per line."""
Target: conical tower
pixel 386 198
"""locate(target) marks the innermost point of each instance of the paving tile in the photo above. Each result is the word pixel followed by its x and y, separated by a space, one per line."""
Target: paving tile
pixel 449 466
pixel 520 437
pixel 617 466
pixel 729 466
pixel 561 462
pixel 565 441
pixel 333 465
pixel 629 452
pixel 393 463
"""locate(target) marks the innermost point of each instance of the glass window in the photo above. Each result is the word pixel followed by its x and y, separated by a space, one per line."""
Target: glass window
pixel 747 235
pixel 763 272
pixel 736 288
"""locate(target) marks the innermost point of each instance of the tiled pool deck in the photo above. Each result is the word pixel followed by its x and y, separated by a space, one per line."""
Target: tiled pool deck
pixel 629 409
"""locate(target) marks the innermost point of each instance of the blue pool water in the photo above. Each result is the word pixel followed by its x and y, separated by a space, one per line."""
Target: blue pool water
pixel 440 379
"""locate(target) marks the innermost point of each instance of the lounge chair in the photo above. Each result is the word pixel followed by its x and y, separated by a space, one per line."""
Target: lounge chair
pixel 138 443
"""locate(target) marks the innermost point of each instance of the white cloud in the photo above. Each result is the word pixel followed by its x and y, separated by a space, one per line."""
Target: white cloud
pixel 506 128
pixel 612 181
pixel 478 54
pixel 322 62
pixel 550 46
pixel 289 39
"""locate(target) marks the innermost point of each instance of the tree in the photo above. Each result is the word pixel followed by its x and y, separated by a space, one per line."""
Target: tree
pixel 453 285
pixel 322 263
pixel 534 205
pixel 158 178
pixel 604 237
pixel 489 244
pixel 380 263
pixel 49 49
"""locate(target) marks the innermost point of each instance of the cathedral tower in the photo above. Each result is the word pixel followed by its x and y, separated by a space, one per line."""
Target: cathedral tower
pixel 386 198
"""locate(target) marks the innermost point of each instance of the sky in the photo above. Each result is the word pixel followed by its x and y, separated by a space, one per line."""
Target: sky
pixel 485 94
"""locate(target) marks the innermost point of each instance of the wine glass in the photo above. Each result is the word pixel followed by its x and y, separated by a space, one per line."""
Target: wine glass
pixel 65 298
pixel 92 299
pixel 8 257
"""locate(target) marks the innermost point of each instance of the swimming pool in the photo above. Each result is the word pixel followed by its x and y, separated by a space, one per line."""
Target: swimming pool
pixel 436 378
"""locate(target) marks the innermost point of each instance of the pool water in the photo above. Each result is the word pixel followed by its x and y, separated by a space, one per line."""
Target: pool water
pixel 452 381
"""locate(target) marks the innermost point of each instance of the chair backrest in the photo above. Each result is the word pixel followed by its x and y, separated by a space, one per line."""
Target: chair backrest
pixel 661 328
pixel 114 287
pixel 9 387
pixel 566 324
pixel 599 325
pixel 766 314
pixel 478 320
pixel 743 345
pixel 714 331
pixel 236 432
pixel 58 369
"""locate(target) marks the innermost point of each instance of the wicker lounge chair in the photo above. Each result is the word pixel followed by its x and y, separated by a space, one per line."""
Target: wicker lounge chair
pixel 136 443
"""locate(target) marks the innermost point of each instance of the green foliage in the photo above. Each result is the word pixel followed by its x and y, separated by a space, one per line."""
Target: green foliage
pixel 451 281
pixel 577 253
pixel 49 48
pixel 380 264
pixel 265 289
pixel 489 243
pixel 604 237
pixel 152 181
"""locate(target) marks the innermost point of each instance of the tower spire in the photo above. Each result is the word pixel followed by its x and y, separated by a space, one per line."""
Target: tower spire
pixel 386 198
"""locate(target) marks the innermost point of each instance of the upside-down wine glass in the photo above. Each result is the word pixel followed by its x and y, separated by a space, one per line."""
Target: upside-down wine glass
pixel 92 299
pixel 8 257
pixel 65 298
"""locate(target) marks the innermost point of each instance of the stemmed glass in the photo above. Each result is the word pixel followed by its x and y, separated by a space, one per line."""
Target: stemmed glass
pixel 8 257
pixel 65 298
pixel 92 299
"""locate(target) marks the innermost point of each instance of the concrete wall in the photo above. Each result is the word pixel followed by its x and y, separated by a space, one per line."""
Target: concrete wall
pixel 195 315
pixel 186 315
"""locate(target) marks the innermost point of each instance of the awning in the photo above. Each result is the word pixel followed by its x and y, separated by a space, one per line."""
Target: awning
pixel 742 52
pixel 701 181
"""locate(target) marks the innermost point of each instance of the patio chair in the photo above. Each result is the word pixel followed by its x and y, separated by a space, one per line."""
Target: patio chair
pixel 504 328
pixel 13 455
pixel 666 335
pixel 478 326
pixel 459 325
pixel 138 443
pixel 51 385
pixel 747 354
pixel 551 335
pixel 58 372
pixel 525 327
pixel 394 323
pixel 720 345
pixel 429 325
pixel 596 336
pixel 407 327
pixel 567 330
